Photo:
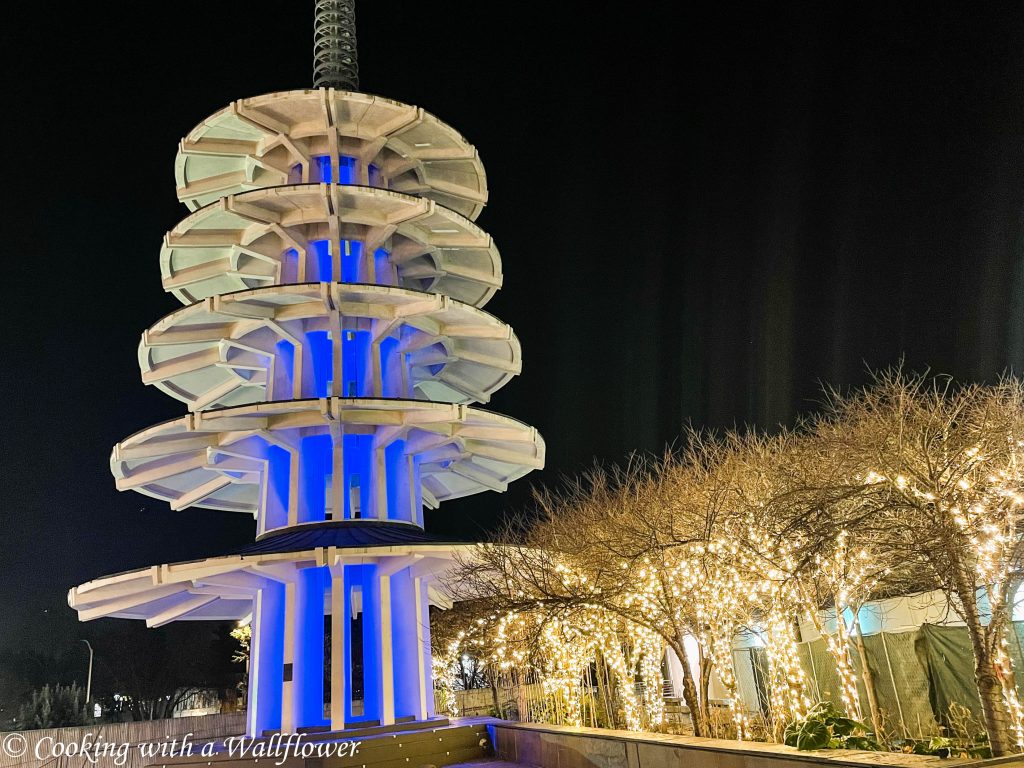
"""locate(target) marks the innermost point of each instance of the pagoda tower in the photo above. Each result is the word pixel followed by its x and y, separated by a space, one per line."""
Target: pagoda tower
pixel 329 349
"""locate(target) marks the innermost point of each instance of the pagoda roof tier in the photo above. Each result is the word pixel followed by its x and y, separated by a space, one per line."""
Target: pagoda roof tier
pixel 217 459
pixel 343 534
pixel 222 588
pixel 264 141
pixel 224 351
pixel 268 236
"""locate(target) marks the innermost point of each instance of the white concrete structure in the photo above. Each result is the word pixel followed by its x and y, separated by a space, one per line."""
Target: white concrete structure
pixel 328 353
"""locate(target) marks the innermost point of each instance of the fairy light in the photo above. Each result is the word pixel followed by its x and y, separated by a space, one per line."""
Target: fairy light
pixel 755 565
pixel 1005 673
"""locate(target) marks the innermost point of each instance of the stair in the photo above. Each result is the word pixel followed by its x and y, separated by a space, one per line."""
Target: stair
pixel 434 743
pixel 318 733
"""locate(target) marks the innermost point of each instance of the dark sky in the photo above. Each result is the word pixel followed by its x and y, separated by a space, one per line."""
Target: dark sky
pixel 701 218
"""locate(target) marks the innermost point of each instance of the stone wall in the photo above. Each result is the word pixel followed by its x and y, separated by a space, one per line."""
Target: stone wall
pixel 552 746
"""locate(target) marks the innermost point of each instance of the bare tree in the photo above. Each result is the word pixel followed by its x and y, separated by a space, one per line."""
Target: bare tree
pixel 908 485
pixel 942 467
pixel 608 539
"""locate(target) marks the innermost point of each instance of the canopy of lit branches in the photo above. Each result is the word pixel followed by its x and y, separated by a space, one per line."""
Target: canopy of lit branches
pixel 909 485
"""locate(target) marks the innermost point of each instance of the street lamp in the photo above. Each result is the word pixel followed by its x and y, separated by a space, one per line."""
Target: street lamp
pixel 88 683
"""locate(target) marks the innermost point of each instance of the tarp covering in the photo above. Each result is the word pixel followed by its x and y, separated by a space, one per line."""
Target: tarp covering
pixel 950 660
pixel 901 682
pixel 920 675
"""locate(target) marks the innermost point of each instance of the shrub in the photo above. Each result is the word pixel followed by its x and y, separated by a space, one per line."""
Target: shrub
pixel 57 707
pixel 825 727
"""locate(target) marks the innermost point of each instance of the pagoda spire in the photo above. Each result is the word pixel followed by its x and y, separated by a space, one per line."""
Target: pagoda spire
pixel 335 61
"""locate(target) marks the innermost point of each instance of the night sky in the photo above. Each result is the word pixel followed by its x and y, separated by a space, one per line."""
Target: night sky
pixel 701 217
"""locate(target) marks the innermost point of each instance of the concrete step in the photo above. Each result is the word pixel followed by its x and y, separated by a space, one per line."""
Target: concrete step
pixel 365 729
pixel 411 749
pixel 410 745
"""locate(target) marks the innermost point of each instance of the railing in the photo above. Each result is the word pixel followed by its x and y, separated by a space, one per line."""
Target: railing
pixel 43 742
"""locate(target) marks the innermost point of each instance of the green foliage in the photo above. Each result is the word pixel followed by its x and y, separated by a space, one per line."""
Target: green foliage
pixel 941 746
pixel 825 727
pixel 57 707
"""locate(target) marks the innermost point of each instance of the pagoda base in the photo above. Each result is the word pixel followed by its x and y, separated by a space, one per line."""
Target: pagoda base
pixel 359 729
pixel 435 742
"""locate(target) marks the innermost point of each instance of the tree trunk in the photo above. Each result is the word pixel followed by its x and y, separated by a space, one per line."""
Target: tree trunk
pixel 868 678
pixel 690 691
pixel 495 698
pixel 990 690
pixel 705 686
pixel 521 681
pixel 997 721
pixel 602 689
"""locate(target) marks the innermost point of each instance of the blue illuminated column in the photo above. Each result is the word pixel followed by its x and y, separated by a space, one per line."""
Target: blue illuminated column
pixel 405 648
pixel 266 660
pixel 341 683
pixel 307 624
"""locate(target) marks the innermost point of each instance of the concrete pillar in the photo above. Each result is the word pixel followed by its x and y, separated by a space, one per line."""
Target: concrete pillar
pixel 416 490
pixel 378 659
pixel 308 647
pixel 340 667
pixel 387 674
pixel 288 681
pixel 338 473
pixel 379 479
pixel 405 646
pixel 425 671
pixel 274 509
pixel 315 464
pixel 266 660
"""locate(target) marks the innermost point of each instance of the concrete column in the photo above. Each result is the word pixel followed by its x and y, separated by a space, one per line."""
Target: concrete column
pixel 280 382
pixel 294 470
pixel 338 480
pixel 340 668
pixel 266 660
pixel 399 495
pixel 387 674
pixel 379 479
pixel 316 461
pixel 425 670
pixel 274 509
pixel 416 490
pixel 378 659
pixel 337 356
pixel 308 648
pixel 288 683
pixel 405 647
pixel 423 638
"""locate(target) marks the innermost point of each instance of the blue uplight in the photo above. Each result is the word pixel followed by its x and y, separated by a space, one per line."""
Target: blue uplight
pixel 323 167
pixel 309 646
pixel 347 170
pixel 355 348
pixel 396 480
pixel 358 457
pixel 278 470
pixel 315 466
pixel 382 265
pixel 319 343
pixel 323 170
pixel 390 368
pixel 322 249
pixel 351 252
